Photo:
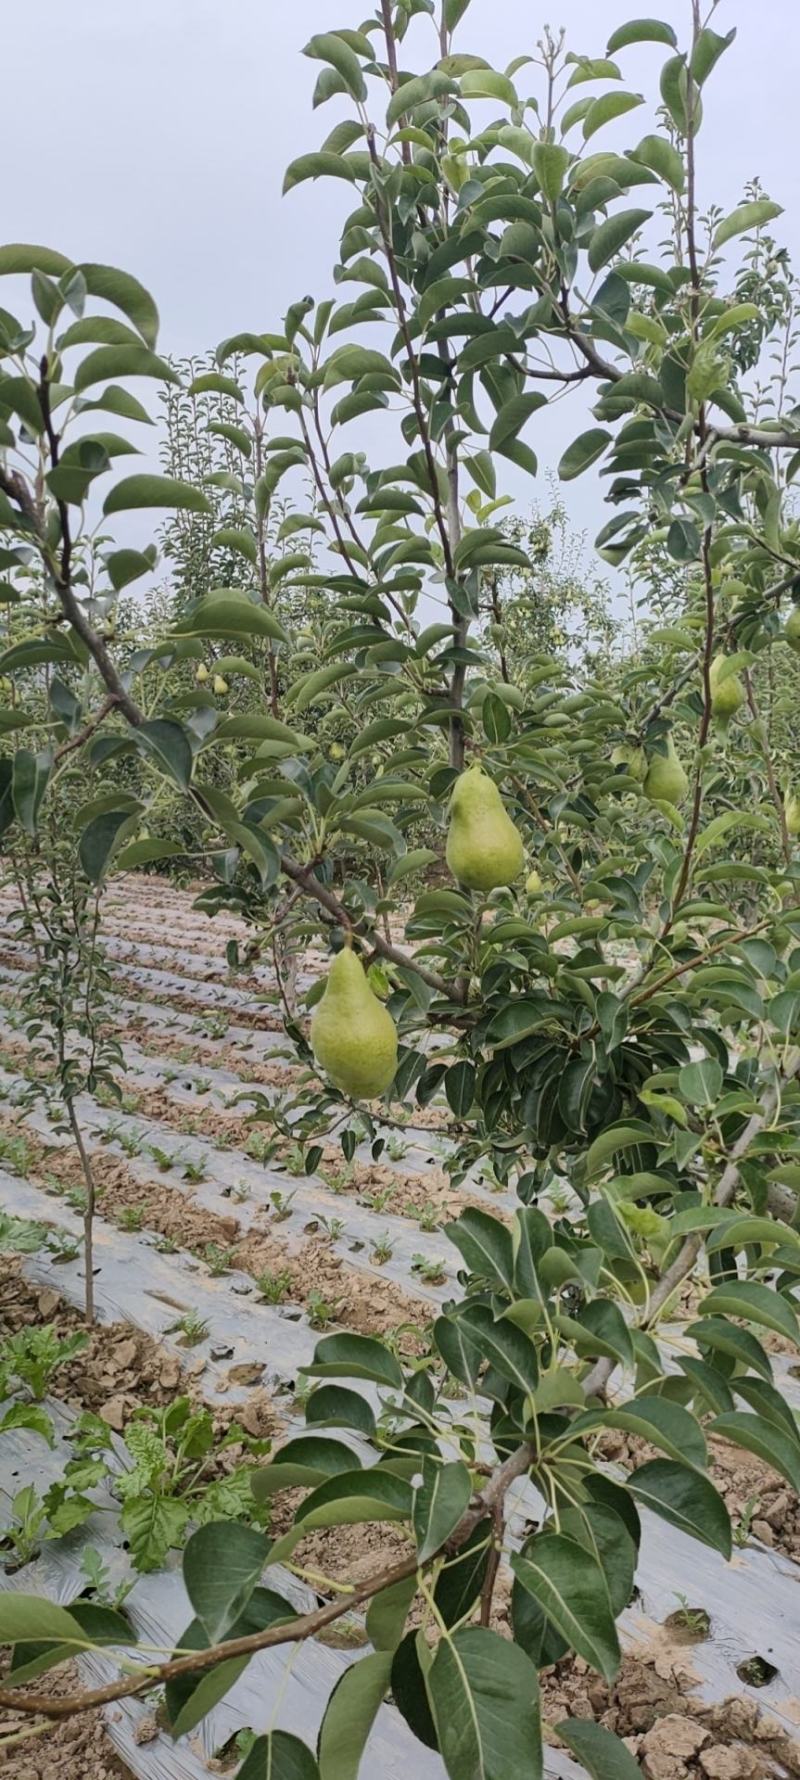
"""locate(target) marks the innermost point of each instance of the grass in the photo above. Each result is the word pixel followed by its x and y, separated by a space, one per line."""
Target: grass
pixel 273 1287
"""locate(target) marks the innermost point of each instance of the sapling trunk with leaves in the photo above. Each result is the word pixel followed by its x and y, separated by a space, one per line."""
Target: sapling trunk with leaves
pixel 619 1041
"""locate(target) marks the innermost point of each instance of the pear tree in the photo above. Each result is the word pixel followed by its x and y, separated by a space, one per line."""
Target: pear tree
pixel 593 961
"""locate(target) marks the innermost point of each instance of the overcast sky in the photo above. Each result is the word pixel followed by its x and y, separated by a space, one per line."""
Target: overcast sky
pixel 153 135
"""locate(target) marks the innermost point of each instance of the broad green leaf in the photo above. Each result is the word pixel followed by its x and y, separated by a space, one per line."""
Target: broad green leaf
pixel 708 48
pixel 484 1696
pixel 640 31
pixel 100 1626
pixel 31 1618
pixel 221 1566
pixel 303 1463
pixel 745 217
pixel 439 1503
pixel 550 163
pixel 610 236
pixel 684 1498
pixel 349 1716
pixel 658 154
pixel 124 566
pixel 331 47
pixel 599 1751
pixel 355 1356
pixel 334 1406
pixel 127 294
pixel 485 1244
pixel 100 839
pixel 167 744
pixel 122 361
pixel 21 257
pixel 507 1348
pixel 279 1756
pixel 584 451
pixel 227 612
pixel 571 1590
pixel 305 691
pixel 387 1614
pixel 316 166
pixel 215 381
pixel 31 773
pixel 486 83
pixel 701 1083
pixel 512 417
pixel 657 1420
pixel 753 1302
pixel 155 491
pixel 606 108
pixel 769 1443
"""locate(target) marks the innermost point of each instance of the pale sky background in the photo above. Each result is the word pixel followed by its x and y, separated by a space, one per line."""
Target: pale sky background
pixel 154 134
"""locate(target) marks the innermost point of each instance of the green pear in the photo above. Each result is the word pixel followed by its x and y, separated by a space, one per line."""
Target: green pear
pixel 353 1036
pixel 666 781
pixel 791 629
pixel 533 884
pixel 484 849
pixel 633 759
pixel 727 693
pixel 791 805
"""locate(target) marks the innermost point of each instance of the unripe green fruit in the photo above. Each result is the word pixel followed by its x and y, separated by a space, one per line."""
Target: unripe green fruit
pixel 533 884
pixel 336 751
pixel 633 759
pixel 791 805
pixel 484 849
pixel 202 673
pixel 727 695
pixel 666 781
pixel 353 1036
pixel 791 629
pixel 220 685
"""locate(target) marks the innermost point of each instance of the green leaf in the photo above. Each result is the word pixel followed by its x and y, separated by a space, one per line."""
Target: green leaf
pixel 124 566
pixel 550 163
pixel 708 48
pixel 755 1303
pixel 279 1756
pixel 349 1716
pixel 484 1696
pixel 303 1463
pixel 657 1420
pixel 684 1498
pixel 746 216
pixel 221 1566
pixel 769 1443
pixel 216 382
pixel 122 361
pixel 659 155
pixel 603 1755
pixel 507 1348
pixel 485 1244
pixel 571 1590
pixel 640 31
pixel 701 1083
pixel 167 744
pixel 145 851
pixel 311 687
pixel 127 294
pixel 355 1356
pixel 583 451
pixel 512 417
pixel 30 1618
pixel 99 840
pixel 387 1613
pixel 317 166
pixel 610 236
pixel 329 47
pixel 486 83
pixel 607 107
pixel 155 491
pixel 153 1524
pixel 353 1497
pixel 228 612
pixel 439 1503
pixel 31 773
pixel 99 1625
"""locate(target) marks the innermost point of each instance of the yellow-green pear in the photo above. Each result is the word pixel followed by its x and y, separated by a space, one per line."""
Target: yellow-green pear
pixel 791 806
pixel 484 849
pixel 791 629
pixel 353 1036
pixel 727 692
pixel 220 685
pixel 533 883
pixel 202 673
pixel 633 759
pixel 666 781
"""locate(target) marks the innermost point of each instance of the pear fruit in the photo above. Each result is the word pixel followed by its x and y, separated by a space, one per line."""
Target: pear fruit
pixel 353 1036
pixel 666 781
pixel 633 759
pixel 202 673
pixel 533 884
pixel 791 806
pixel 727 695
pixel 484 849
pixel 220 685
pixel 791 629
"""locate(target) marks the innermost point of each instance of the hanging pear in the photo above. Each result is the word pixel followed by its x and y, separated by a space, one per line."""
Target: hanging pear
pixel 727 692
pixel 633 759
pixel 353 1036
pixel 484 849
pixel 791 629
pixel 791 807
pixel 533 883
pixel 666 781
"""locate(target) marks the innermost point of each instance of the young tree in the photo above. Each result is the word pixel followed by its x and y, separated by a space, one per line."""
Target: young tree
pixel 633 1033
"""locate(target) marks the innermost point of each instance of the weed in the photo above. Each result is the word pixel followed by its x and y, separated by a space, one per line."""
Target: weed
pixel 273 1287
pixel 396 1147
pixel 23 1535
pixel 281 1205
pixel 165 1245
pixel 130 1217
pixel 428 1217
pixel 62 1248
pixel 742 1527
pixel 321 1312
pixel 378 1201
pixel 195 1171
pixel 218 1260
pixel 192 1326
pixel 15 1153
pixel 162 1158
pixel 98 1578
pixel 30 1358
pixel 429 1269
pixel 382 1251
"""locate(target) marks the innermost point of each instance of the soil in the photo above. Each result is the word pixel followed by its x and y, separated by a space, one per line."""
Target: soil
pixel 78 1749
